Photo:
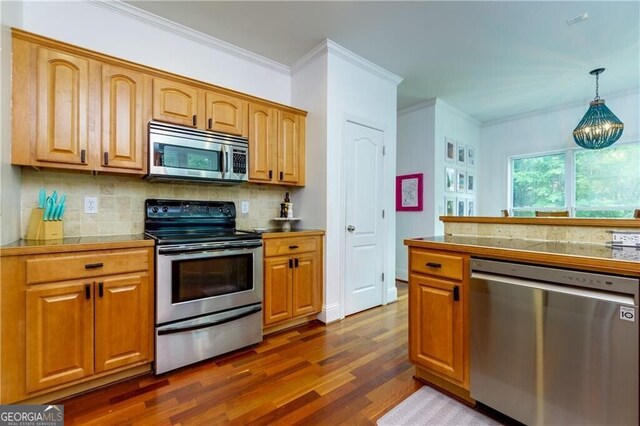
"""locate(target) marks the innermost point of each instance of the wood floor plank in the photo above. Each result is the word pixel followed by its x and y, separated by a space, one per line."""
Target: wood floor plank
pixel 349 372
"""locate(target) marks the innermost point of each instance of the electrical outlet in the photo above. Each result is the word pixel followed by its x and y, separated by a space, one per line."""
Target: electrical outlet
pixel 244 207
pixel 91 205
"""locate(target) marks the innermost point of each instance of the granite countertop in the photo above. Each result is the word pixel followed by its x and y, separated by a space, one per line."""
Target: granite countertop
pixel 74 244
pixel 594 256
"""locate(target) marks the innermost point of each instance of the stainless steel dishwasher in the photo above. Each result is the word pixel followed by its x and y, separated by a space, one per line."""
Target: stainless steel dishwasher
pixel 553 346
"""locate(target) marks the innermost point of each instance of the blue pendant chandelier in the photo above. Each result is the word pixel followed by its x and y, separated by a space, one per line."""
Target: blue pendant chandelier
pixel 599 128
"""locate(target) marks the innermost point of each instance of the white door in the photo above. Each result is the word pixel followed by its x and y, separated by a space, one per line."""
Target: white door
pixel 363 255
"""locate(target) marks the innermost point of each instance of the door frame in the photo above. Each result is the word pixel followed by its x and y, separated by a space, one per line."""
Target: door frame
pixel 360 121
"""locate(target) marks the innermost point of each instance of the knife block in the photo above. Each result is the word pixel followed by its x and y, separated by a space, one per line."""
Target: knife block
pixel 40 229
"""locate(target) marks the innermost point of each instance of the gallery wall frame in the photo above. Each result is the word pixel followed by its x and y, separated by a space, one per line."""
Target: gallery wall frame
pixel 409 192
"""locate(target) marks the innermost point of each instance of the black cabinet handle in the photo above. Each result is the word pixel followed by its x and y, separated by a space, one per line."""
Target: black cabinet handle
pixel 296 262
pixel 270 174
pixel 290 263
pixel 456 293
pixel 100 289
pixel 93 265
pixel 87 291
pixel 210 124
pixel 195 120
pixel 83 155
pixel 434 265
pixel 281 176
pixel 293 247
pixel 106 158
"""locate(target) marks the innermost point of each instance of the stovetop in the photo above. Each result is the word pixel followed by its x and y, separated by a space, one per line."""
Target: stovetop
pixel 190 222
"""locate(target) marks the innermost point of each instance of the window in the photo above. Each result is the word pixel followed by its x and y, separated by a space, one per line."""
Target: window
pixel 599 183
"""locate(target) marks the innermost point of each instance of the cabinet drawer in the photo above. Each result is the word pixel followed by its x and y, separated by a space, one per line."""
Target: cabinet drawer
pixel 65 267
pixel 442 265
pixel 286 246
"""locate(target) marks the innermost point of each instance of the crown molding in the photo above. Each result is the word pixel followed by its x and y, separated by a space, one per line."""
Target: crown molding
pixel 457 112
pixel 180 30
pixel 415 107
pixel 327 46
pixel 568 105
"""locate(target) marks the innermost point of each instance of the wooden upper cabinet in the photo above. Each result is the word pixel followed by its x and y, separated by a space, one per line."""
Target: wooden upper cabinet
pixel 118 343
pixel 176 103
pixel 62 126
pixel 123 119
pixel 59 326
pixel 290 148
pixel 262 143
pixel 226 114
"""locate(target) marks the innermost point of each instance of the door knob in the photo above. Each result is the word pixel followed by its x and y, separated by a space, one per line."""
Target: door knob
pixel 351 228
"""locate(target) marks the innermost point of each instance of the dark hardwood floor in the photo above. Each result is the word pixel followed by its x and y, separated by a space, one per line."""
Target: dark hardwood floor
pixel 348 372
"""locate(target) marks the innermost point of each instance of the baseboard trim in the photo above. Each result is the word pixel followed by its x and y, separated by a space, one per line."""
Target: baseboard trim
pixel 330 313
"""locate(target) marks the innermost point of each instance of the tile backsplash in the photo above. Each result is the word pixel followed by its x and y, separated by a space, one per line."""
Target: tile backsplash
pixel 121 200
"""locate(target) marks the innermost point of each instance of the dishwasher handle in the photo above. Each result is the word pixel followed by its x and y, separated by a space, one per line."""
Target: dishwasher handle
pixel 621 298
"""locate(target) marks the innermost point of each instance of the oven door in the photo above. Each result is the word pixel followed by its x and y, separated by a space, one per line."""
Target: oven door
pixel 196 283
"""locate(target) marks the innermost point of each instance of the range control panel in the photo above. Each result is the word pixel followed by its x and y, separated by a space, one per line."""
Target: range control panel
pixel 180 209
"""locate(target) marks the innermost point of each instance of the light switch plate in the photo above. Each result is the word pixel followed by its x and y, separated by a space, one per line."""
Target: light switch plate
pixel 625 238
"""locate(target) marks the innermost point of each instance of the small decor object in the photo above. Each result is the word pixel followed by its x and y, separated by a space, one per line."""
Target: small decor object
pixel 449 150
pixel 462 178
pixel 45 222
pixel 599 128
pixel 450 206
pixel 409 190
pixel 286 222
pixel 471 182
pixel 461 206
pixel 471 156
pixel 450 179
pixel 461 154
pixel 286 208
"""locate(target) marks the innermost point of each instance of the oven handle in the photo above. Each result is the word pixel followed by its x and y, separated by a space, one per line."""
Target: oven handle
pixel 183 329
pixel 183 253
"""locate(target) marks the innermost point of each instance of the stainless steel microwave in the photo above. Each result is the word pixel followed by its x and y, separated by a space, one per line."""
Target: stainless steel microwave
pixel 183 153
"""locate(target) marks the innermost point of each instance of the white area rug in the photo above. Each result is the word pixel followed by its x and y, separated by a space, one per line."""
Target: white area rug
pixel 427 406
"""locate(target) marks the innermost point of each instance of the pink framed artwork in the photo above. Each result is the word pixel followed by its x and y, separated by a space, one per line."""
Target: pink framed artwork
pixel 409 193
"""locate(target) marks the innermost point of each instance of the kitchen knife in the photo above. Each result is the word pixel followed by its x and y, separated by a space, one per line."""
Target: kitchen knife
pixel 42 196
pixel 57 215
pixel 61 212
pixel 48 209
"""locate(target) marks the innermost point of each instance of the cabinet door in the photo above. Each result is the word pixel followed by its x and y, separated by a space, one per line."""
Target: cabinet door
pixel 289 148
pixel 175 102
pixel 62 130
pixel 59 324
pixel 278 273
pixel 262 143
pixel 436 326
pixel 123 123
pixel 226 114
pixel 122 321
pixel 306 285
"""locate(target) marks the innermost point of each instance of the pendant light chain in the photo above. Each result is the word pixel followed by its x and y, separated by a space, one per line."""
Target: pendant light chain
pixel 597 86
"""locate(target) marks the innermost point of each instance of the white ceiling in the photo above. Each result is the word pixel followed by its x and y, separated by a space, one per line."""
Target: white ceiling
pixel 489 59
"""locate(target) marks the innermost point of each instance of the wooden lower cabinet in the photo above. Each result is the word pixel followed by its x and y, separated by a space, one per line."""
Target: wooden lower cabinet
pixel 78 325
pixel 292 277
pixel 438 312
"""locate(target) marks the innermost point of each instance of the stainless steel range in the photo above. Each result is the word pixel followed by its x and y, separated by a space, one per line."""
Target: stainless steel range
pixel 208 281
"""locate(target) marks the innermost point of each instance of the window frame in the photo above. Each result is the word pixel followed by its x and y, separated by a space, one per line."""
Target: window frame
pixel 569 181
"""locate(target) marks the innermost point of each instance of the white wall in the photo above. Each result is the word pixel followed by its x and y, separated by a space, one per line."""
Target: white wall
pixel 10 15
pixel 535 133
pixel 415 155
pixel 421 144
pixel 116 29
pixel 368 98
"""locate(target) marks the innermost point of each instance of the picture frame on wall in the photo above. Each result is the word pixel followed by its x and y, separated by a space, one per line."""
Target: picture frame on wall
pixel 450 206
pixel 471 183
pixel 409 189
pixel 471 208
pixel 450 179
pixel 461 179
pixel 461 206
pixel 449 150
pixel 471 156
pixel 461 153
